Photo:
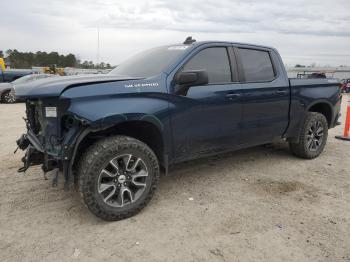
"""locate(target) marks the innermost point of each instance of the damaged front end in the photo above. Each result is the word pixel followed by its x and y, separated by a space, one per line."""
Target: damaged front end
pixel 50 137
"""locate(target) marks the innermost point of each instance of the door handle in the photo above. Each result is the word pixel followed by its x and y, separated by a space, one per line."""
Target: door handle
pixel 281 92
pixel 233 95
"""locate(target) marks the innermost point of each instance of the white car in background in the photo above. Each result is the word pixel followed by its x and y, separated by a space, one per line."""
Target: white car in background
pixel 7 94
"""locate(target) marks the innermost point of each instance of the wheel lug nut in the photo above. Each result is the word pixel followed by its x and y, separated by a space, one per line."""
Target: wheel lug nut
pixel 124 184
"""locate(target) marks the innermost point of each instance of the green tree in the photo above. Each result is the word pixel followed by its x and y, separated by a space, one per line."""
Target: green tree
pixel 85 65
pixel 19 59
pixel 70 61
pixel 8 52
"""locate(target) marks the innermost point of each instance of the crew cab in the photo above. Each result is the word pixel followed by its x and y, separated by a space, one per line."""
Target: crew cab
pixel 113 134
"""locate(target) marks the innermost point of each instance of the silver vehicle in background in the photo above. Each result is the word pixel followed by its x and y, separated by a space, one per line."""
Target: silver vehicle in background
pixel 7 94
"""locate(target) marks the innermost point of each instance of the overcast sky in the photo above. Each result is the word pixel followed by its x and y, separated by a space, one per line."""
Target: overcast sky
pixel 312 31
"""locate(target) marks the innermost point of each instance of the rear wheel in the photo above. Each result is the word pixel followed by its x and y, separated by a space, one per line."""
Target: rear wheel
pixel 117 177
pixel 312 138
pixel 8 97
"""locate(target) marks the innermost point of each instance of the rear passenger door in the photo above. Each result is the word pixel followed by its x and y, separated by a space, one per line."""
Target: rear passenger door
pixel 265 90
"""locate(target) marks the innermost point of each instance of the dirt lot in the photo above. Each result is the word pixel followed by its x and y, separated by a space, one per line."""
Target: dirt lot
pixel 260 204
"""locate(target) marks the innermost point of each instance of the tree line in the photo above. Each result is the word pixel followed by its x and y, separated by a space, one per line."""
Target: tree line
pixel 17 59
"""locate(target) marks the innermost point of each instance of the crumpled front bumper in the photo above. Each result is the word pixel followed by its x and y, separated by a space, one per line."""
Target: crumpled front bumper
pixel 34 152
pixel 34 141
pixel 37 154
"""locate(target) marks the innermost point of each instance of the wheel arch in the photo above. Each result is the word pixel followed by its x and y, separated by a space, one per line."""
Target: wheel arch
pixel 4 91
pixel 323 107
pixel 320 106
pixel 143 130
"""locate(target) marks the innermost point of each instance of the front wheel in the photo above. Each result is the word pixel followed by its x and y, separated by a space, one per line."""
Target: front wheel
pixel 117 177
pixel 8 97
pixel 312 137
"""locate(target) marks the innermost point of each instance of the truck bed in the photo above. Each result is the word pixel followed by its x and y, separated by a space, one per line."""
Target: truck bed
pixel 313 82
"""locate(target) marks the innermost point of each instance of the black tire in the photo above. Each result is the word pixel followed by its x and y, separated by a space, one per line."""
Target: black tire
pixel 96 161
pixel 8 97
pixel 304 148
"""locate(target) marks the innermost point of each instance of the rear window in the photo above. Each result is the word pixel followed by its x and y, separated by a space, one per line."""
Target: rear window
pixel 257 65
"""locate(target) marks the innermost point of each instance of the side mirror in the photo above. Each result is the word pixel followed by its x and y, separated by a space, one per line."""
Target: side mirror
pixel 185 79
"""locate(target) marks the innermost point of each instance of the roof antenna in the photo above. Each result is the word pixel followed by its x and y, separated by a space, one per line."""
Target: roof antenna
pixel 189 40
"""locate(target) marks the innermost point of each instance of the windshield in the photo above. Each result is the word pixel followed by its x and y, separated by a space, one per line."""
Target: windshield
pixel 150 62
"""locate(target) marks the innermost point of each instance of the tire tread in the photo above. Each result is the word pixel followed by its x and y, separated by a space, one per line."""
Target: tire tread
pixel 299 149
pixel 94 158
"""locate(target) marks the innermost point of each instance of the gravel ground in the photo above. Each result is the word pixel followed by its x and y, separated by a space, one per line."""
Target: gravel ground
pixel 260 204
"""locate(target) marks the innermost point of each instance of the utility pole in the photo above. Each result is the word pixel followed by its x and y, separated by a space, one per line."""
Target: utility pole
pixel 98 45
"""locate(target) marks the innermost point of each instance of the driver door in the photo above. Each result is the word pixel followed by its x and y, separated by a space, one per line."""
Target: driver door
pixel 207 119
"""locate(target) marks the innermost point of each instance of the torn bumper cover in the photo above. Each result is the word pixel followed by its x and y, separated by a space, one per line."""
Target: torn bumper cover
pixel 62 162
pixel 36 155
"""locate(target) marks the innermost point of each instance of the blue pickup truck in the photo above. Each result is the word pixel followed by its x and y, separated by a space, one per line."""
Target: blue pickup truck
pixel 114 134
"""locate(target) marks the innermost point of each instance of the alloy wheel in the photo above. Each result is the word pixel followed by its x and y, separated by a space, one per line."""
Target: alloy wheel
pixel 123 180
pixel 314 136
pixel 9 97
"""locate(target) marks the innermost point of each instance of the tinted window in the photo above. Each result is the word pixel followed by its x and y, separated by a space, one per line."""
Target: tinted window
pixel 257 65
pixel 150 62
pixel 215 61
